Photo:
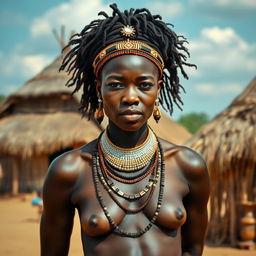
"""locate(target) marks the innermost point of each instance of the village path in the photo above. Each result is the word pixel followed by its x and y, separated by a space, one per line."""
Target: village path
pixel 19 232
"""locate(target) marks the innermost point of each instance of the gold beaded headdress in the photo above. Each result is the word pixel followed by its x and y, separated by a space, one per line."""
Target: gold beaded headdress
pixel 128 46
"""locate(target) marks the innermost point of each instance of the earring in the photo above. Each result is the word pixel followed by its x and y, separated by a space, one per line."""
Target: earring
pixel 156 112
pixel 99 113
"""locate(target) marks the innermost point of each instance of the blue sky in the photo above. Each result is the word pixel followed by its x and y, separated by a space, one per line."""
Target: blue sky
pixel 221 33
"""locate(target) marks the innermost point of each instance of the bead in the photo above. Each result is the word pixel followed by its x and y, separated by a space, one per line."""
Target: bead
pixel 129 159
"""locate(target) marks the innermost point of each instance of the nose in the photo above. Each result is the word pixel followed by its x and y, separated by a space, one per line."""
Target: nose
pixel 130 96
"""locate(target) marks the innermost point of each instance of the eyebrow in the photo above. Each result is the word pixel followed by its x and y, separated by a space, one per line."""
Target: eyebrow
pixel 117 77
pixel 144 78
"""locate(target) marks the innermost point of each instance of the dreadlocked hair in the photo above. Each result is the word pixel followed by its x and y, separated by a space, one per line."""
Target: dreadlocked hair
pixel 99 33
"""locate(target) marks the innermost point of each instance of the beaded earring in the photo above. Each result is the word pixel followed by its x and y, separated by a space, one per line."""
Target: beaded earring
pixel 99 113
pixel 156 112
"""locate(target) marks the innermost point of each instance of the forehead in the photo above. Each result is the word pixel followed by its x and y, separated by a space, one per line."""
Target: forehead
pixel 130 64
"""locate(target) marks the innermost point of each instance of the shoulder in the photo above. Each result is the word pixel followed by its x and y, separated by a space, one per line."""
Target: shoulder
pixel 66 168
pixel 190 161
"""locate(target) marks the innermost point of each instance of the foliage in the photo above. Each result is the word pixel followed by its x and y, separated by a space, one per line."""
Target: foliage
pixel 193 121
pixel 2 98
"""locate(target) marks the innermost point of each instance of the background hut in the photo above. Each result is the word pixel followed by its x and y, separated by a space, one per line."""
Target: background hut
pixel 228 144
pixel 37 123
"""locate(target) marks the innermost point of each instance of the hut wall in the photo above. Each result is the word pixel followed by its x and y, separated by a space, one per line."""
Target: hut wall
pixel 30 173
pixel 229 187
pixel 7 165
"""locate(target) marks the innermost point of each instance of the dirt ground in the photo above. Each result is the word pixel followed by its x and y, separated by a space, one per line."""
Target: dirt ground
pixel 19 232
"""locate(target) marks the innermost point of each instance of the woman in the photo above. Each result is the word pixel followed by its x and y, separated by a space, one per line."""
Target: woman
pixel 136 194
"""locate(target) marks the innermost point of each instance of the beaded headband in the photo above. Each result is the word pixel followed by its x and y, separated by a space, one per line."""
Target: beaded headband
pixel 128 46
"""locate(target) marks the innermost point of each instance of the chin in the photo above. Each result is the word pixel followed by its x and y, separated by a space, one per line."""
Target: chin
pixel 130 126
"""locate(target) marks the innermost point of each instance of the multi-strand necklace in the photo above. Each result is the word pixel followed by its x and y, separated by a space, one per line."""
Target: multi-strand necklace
pixel 129 159
pixel 105 172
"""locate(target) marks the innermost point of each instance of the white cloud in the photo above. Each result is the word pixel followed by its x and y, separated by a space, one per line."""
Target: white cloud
pixel 24 62
pixel 225 8
pixel 166 9
pixel 73 15
pixel 17 68
pixel 218 89
pixel 222 50
pixel 25 66
pixel 220 36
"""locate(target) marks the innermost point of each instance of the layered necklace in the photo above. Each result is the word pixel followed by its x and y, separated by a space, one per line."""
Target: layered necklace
pixel 129 165
pixel 129 159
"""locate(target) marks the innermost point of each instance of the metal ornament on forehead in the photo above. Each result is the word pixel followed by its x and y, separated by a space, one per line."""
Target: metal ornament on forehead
pixel 128 31
pixel 127 46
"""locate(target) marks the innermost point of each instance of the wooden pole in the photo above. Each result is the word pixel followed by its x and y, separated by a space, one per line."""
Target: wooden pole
pixel 15 179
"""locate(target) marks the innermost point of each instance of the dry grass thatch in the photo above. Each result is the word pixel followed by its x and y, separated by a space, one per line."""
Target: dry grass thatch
pixel 48 82
pixel 228 144
pixel 38 134
pixel 169 130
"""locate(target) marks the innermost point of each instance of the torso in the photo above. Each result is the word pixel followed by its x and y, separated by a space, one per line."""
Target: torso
pixel 97 235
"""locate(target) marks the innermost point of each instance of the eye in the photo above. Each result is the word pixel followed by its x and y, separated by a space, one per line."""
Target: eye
pixel 115 85
pixel 146 85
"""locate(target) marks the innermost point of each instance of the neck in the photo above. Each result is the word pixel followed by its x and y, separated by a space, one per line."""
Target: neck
pixel 126 139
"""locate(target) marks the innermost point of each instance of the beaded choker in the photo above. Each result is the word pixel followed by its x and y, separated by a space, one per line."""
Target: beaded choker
pixel 129 159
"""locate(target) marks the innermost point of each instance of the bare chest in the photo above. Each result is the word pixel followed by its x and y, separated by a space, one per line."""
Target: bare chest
pixel 101 210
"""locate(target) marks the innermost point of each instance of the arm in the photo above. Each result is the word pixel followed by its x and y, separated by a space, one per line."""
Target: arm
pixel 57 218
pixel 194 229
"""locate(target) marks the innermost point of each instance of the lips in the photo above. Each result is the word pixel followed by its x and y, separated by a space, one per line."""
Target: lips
pixel 130 112
pixel 131 115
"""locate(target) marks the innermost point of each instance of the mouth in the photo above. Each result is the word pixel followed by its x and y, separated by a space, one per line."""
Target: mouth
pixel 130 112
pixel 131 115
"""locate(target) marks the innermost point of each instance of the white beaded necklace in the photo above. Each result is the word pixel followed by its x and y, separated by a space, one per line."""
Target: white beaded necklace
pixel 129 159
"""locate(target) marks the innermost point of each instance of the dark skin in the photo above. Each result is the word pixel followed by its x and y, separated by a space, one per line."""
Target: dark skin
pixel 129 86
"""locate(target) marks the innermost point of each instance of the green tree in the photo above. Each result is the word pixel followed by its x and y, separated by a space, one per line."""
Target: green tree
pixel 2 98
pixel 193 121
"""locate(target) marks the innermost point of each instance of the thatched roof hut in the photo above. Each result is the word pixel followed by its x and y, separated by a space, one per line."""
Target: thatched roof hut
pixel 38 122
pixel 38 115
pixel 228 144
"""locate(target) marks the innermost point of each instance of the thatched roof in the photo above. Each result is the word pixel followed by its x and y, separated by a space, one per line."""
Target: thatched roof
pixel 228 144
pixel 231 135
pixel 43 133
pixel 38 134
pixel 169 130
pixel 48 82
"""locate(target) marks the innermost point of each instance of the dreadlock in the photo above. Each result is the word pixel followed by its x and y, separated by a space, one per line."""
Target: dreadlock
pixel 102 32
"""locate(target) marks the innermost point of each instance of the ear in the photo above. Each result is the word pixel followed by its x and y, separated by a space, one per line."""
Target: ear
pixel 98 87
pixel 159 86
